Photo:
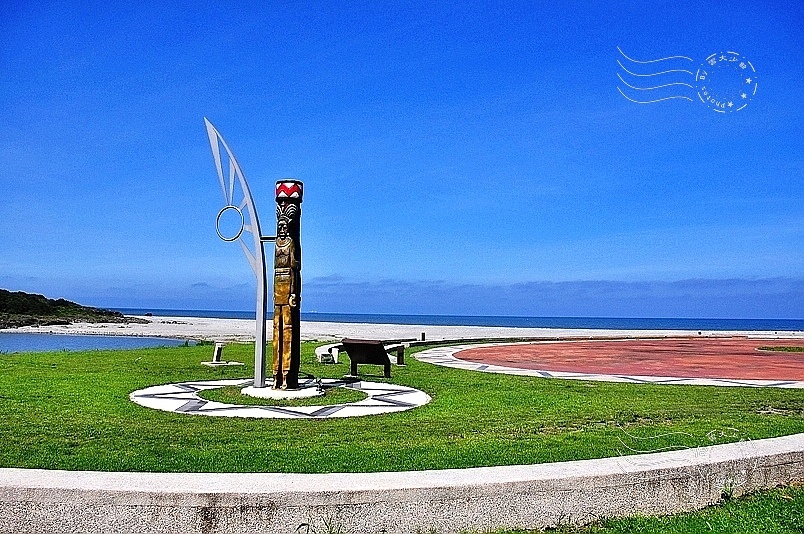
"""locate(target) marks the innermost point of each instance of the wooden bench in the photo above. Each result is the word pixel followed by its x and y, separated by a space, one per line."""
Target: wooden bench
pixel 372 352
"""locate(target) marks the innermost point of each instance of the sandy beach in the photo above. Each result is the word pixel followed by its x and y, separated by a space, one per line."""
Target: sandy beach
pixel 242 330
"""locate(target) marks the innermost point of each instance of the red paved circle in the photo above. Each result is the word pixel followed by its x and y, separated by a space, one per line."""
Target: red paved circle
pixel 736 358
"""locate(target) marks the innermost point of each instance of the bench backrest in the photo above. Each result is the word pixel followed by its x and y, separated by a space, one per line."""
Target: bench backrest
pixel 366 351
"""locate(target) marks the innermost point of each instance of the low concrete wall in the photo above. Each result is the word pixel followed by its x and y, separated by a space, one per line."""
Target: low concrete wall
pixel 526 496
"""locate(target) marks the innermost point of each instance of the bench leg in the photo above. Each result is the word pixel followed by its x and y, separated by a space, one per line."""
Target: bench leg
pixel 353 368
pixel 387 368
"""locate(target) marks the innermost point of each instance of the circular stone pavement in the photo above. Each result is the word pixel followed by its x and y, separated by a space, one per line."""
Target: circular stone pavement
pixel 719 361
pixel 183 398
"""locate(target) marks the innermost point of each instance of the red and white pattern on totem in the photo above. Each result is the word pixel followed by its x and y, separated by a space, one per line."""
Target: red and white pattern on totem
pixel 288 190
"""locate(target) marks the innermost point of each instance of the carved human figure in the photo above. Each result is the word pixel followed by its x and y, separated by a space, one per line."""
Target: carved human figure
pixel 287 297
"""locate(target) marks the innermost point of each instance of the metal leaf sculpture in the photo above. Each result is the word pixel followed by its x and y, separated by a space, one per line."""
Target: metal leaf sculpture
pixel 237 197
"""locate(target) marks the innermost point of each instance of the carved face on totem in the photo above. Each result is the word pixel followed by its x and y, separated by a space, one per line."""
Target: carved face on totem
pixel 282 229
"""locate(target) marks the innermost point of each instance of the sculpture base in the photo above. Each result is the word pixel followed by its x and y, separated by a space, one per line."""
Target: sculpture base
pixel 303 392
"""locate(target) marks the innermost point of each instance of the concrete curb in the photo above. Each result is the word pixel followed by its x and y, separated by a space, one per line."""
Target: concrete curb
pixel 526 496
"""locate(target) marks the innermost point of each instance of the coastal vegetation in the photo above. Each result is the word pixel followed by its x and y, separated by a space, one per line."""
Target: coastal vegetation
pixel 18 308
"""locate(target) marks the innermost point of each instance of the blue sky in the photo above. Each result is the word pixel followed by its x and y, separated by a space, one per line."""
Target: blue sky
pixel 457 157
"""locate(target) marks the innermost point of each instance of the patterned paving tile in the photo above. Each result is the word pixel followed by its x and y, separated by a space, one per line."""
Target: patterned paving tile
pixel 183 398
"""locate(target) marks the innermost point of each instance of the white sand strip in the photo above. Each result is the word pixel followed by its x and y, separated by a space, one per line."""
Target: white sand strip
pixel 244 330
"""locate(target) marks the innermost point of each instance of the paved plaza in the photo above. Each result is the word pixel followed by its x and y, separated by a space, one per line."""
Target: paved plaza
pixel 691 361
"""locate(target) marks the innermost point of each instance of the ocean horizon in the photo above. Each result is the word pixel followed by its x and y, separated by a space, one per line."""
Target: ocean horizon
pixel 11 342
pixel 618 323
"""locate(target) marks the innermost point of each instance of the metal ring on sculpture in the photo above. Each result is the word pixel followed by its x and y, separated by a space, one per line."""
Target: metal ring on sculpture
pixel 218 223
pixel 183 398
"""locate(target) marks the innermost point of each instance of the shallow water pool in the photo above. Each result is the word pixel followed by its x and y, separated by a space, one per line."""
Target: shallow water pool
pixel 28 342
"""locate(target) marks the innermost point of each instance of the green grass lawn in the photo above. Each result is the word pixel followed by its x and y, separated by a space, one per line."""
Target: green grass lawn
pixel 779 511
pixel 232 395
pixel 70 410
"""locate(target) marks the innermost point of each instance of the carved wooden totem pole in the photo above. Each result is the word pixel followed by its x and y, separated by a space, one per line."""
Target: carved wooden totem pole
pixel 240 209
pixel 287 285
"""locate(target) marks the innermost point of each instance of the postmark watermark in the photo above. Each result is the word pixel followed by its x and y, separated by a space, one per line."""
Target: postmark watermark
pixel 639 453
pixel 725 82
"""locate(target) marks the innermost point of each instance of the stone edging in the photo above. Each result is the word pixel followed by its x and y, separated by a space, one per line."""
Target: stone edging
pixel 525 496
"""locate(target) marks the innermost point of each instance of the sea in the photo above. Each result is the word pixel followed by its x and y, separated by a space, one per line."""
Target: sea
pixel 26 342
pixel 614 323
